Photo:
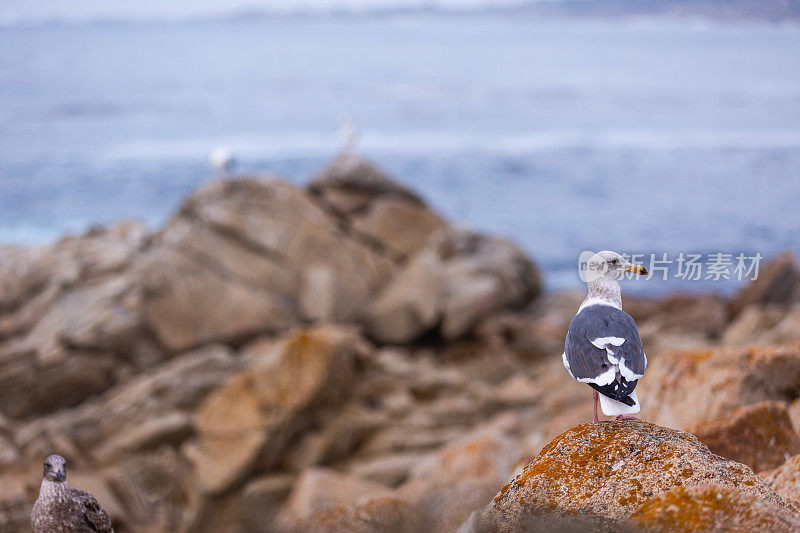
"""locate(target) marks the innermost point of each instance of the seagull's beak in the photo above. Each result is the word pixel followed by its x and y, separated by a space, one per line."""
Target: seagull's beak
pixel 636 269
pixel 61 475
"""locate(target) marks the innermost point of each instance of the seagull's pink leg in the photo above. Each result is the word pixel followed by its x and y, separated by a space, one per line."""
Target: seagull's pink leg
pixel 596 397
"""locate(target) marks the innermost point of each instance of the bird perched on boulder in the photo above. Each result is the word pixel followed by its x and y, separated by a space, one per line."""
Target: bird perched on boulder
pixel 63 508
pixel 603 348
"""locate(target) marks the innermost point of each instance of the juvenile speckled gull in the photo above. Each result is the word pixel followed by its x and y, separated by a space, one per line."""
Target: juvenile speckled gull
pixel 61 507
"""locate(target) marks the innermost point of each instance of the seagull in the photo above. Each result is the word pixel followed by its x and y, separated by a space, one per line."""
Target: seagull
pixel 61 507
pixel 348 133
pixel 603 348
pixel 221 159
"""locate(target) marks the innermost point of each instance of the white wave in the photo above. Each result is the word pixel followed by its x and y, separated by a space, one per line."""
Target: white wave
pixel 94 11
pixel 324 144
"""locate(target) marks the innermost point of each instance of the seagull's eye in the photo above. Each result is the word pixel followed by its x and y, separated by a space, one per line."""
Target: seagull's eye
pixel 614 261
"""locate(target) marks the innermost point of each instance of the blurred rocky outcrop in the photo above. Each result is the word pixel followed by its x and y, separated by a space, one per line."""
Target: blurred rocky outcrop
pixel 340 358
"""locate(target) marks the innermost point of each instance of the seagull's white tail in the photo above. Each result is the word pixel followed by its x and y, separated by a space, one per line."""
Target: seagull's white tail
pixel 612 407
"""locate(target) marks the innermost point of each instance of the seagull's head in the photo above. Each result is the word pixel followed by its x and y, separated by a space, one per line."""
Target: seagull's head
pixel 55 468
pixel 611 265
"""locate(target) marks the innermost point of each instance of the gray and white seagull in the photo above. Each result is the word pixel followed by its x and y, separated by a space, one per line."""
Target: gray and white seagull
pixel 603 348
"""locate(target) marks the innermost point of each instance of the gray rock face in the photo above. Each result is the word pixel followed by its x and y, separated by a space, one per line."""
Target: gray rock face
pixel 459 278
pixel 253 255
pixel 69 319
pixel 199 376
pixel 376 207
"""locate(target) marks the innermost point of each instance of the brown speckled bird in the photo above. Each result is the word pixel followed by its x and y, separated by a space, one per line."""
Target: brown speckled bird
pixel 62 508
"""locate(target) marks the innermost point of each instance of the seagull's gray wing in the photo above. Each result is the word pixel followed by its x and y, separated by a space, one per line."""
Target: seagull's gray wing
pixel 603 349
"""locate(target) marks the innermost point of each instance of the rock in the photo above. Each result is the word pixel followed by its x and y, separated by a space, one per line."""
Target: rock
pixel 377 515
pixel 685 388
pixel 458 279
pixel 537 332
pixel 778 282
pixel 785 480
pixel 705 315
pixel 375 207
pixel 15 506
pixel 350 183
pixel 70 319
pixel 261 500
pixel 759 435
pixel 387 469
pixel 462 477
pixel 712 508
pixel 247 256
pixel 256 412
pixel 751 324
pixel 149 410
pixel 410 305
pixel 153 491
pixel 321 488
pixel 607 470
pixel 764 324
pixel 400 226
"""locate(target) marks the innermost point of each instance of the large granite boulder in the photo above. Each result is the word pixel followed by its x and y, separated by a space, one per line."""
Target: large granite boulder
pixel 375 206
pixel 147 411
pixel 759 435
pixel 687 387
pixel 253 415
pixel 778 282
pixel 459 278
pixel 254 255
pixel 601 473
pixel 70 319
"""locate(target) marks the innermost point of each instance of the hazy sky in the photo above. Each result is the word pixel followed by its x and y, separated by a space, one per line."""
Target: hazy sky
pixel 37 9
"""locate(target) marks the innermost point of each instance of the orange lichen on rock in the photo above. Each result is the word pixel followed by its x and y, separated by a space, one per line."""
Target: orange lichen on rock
pixel 604 471
pixel 759 435
pixel 712 508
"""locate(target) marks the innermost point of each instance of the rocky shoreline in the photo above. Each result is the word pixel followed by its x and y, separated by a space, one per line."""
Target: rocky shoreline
pixel 339 357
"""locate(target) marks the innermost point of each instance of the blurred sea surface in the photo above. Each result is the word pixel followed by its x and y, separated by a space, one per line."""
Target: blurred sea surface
pixel 644 136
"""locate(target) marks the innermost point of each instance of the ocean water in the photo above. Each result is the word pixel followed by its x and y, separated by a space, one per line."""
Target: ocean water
pixel 564 135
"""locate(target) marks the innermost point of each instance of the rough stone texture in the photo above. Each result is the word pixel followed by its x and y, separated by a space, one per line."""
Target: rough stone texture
pixel 254 414
pixel 685 388
pixel 240 256
pixel 152 409
pixel 759 435
pixel 464 475
pixel 69 319
pixel 15 506
pixel 785 480
pixel 764 324
pixel 321 488
pixel 609 469
pixel 378 515
pixel 261 501
pixel 706 315
pixel 351 182
pixel 459 278
pixel 712 508
pixel 778 282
